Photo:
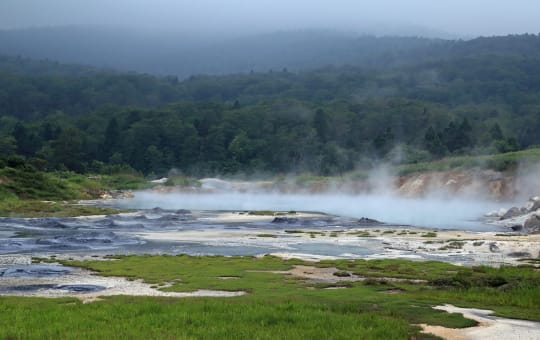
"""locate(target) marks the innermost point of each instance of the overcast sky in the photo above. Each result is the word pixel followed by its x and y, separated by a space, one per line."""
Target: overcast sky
pixel 461 17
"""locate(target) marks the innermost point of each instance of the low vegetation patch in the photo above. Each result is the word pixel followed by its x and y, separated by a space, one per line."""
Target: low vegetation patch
pixel 453 245
pixel 262 213
pixel 277 305
pixel 267 235
pixel 429 234
pixel 26 191
pixel 20 208
pixel 499 162
pixel 363 234
pixel 342 273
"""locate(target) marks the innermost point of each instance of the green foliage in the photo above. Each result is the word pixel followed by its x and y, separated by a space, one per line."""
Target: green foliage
pixel 26 182
pixel 14 207
pixel 157 318
pixel 501 162
pixel 429 234
pixel 29 192
pixel 262 213
pixel 267 235
pixel 123 181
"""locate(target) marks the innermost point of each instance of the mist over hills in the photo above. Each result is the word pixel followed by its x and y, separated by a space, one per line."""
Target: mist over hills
pixel 303 65
pixel 185 55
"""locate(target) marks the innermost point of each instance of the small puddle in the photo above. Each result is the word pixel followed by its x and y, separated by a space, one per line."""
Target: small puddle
pixel 29 271
pixel 80 288
pixel 76 288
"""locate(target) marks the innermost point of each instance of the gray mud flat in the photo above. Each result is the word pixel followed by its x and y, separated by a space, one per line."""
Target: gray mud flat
pixel 24 279
pixel 53 281
pixel 121 233
pixel 306 235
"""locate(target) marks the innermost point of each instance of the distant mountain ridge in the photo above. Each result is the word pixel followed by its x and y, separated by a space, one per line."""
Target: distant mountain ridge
pixel 495 70
pixel 184 55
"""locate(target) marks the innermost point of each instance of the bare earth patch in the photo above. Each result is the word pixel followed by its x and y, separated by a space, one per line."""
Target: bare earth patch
pixel 326 275
pixel 320 274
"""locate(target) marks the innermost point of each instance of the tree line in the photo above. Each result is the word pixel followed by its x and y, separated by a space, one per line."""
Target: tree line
pixel 276 136
pixel 325 121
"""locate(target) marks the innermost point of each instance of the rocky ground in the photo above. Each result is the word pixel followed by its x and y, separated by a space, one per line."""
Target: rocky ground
pixel 524 219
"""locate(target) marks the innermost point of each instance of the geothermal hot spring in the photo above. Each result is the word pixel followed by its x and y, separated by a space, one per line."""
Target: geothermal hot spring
pixel 436 212
pixel 219 223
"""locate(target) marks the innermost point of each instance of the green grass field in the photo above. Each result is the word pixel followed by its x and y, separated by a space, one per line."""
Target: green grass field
pixel 277 305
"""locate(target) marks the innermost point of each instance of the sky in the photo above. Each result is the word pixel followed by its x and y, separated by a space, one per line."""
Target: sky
pixel 459 17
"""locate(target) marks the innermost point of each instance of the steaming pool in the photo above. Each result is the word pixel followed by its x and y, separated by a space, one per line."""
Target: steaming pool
pixel 220 224
pixel 434 212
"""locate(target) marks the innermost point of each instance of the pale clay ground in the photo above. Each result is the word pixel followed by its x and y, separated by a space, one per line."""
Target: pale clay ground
pixel 478 245
pixel 396 246
pixel 113 285
pixel 489 327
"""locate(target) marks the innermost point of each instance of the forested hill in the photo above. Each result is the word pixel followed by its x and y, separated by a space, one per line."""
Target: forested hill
pixel 31 88
pixel 473 97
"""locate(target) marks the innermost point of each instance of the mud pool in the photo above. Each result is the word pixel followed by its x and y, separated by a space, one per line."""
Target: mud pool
pixel 180 231
pixel 136 233
pixel 220 224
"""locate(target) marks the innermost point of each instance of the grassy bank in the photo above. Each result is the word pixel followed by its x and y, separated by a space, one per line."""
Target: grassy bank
pixel 28 192
pixel 277 305
pixel 22 208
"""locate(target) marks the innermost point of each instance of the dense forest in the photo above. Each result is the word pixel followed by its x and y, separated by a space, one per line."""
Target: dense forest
pixel 440 99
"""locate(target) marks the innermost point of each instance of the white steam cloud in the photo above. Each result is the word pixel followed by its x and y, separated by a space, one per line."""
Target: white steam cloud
pixel 426 212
